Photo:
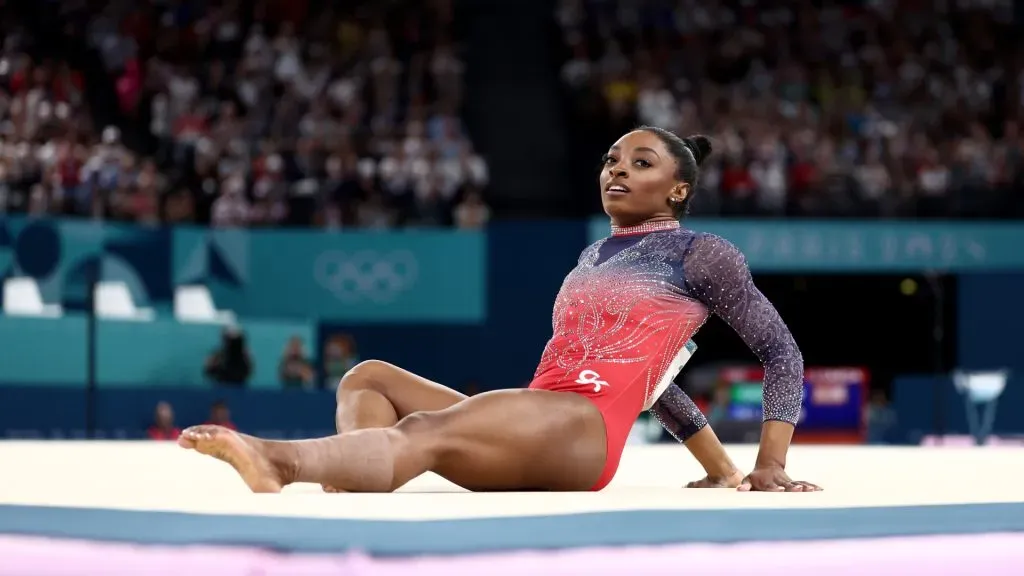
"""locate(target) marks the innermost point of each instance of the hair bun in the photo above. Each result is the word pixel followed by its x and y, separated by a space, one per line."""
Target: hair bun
pixel 700 146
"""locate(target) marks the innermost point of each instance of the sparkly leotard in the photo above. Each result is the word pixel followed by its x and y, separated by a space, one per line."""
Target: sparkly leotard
pixel 624 315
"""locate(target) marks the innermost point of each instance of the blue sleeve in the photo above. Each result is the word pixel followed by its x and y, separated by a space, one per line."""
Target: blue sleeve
pixel 716 273
pixel 678 414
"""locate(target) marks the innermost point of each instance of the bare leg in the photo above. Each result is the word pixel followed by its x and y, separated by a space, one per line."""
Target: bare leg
pixel 502 440
pixel 376 394
pixel 361 461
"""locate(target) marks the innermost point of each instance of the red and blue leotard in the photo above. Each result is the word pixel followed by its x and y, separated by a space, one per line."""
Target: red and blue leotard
pixel 625 313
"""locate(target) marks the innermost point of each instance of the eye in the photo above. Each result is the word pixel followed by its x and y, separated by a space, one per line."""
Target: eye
pixel 642 163
pixel 607 159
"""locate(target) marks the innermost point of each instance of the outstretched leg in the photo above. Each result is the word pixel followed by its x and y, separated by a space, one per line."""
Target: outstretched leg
pixel 360 461
pixel 502 440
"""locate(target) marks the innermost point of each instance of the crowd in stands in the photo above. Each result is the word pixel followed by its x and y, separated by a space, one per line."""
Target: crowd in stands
pixel 834 108
pixel 265 113
pixel 317 113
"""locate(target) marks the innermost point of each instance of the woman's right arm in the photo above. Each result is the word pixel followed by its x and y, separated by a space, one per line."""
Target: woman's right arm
pixel 680 417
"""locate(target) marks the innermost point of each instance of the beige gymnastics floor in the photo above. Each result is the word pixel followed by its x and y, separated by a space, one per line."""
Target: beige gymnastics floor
pixel 161 476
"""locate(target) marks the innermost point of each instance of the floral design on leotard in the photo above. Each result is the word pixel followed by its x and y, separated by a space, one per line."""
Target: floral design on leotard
pixel 637 299
pixel 623 307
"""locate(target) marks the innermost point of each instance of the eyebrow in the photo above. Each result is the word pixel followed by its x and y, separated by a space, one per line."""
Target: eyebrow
pixel 640 149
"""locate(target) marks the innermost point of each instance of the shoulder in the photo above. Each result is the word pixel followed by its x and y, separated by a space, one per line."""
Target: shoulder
pixel 710 260
pixel 712 246
pixel 592 250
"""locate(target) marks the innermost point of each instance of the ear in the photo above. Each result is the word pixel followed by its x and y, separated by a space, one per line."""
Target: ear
pixel 679 193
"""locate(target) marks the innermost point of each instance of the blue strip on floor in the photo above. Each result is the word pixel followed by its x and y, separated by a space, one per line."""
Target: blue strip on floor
pixel 403 538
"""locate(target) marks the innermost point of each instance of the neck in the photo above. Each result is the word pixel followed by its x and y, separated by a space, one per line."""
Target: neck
pixel 654 225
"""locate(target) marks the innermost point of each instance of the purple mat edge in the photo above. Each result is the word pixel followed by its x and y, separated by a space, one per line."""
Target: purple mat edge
pixel 992 554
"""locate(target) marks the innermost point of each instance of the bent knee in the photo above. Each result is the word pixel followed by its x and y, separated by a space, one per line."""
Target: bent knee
pixel 425 430
pixel 444 444
pixel 421 422
pixel 363 376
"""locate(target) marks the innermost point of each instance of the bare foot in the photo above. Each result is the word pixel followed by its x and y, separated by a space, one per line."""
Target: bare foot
pixel 244 453
pixel 331 489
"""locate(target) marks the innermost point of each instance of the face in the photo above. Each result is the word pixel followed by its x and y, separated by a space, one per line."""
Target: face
pixel 638 180
pixel 345 345
pixel 164 414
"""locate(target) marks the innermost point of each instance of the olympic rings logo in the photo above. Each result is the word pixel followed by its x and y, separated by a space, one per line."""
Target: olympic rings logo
pixel 366 274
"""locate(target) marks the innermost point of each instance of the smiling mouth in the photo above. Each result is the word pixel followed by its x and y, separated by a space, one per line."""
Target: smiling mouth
pixel 617 190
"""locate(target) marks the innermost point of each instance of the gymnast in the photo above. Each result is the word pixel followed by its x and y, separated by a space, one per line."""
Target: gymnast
pixel 378 393
pixel 621 323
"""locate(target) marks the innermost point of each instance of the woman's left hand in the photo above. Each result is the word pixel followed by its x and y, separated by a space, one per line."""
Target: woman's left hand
pixel 774 479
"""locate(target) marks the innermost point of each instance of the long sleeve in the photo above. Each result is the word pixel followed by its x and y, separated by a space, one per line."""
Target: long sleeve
pixel 716 273
pixel 678 414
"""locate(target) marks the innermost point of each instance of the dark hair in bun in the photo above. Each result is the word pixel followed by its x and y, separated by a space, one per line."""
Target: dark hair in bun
pixel 690 153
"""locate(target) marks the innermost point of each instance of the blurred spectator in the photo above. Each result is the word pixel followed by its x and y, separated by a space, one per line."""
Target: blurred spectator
pixel 719 410
pixel 295 368
pixel 816 109
pixel 231 364
pixel 220 415
pixel 238 116
pixel 472 213
pixel 340 356
pixel 163 427
pixel 879 418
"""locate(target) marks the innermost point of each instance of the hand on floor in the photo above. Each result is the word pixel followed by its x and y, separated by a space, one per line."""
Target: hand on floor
pixel 732 481
pixel 774 479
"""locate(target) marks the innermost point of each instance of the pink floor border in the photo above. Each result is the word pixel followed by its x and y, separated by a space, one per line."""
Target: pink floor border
pixel 989 554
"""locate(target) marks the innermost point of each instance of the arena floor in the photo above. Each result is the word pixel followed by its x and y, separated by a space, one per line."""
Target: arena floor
pixel 897 486
pixel 159 494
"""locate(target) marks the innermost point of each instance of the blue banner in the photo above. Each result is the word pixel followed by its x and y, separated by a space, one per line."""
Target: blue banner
pixel 359 277
pixel 163 352
pixel 62 255
pixel 125 413
pixel 350 277
pixel 865 246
